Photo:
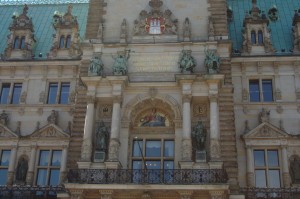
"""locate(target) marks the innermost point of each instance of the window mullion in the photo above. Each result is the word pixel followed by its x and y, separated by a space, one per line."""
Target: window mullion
pixel 58 92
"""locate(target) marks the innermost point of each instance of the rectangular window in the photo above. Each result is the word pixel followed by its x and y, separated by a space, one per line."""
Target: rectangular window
pixel 261 90
pixel 5 93
pixel 4 163
pixel 267 169
pixel 16 93
pixel 58 91
pixel 48 169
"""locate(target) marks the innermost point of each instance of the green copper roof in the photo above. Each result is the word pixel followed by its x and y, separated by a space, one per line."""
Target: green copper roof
pixel 42 20
pixel 281 30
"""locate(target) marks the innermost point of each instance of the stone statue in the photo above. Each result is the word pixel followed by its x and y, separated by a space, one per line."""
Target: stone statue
pixel 96 67
pixel 212 62
pixel 52 119
pixel 187 30
pixel 4 118
pixel 121 63
pixel 123 34
pixel 295 169
pixel 187 62
pixel 22 170
pixel 101 137
pixel 211 28
pixel 100 32
pixel 199 134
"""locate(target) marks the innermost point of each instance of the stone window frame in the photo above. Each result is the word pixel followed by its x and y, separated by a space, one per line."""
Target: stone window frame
pixel 21 42
pixel 5 167
pixel 143 158
pixel 266 167
pixel 257 32
pixel 49 167
pixel 11 90
pixel 261 91
pixel 65 41
pixel 59 91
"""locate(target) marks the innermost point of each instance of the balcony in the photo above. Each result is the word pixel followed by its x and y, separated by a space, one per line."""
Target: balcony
pixel 155 176
pixel 271 193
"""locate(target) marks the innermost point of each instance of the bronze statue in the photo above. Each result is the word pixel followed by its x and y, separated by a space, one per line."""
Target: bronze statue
pixel 295 169
pixel 22 170
pixel 187 62
pixel 102 136
pixel 96 66
pixel 212 62
pixel 199 134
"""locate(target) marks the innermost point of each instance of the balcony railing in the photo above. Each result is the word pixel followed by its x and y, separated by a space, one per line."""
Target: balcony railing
pixel 271 193
pixel 30 192
pixel 155 176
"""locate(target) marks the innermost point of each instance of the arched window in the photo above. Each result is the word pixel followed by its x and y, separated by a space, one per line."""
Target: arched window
pixel 22 43
pixel 253 37
pixel 16 43
pixel 62 42
pixel 260 37
pixel 68 41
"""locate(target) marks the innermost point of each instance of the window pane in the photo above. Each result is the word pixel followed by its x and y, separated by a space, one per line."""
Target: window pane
pixel 153 148
pixel 64 93
pixel 260 38
pixel 53 87
pixel 273 158
pixel 62 42
pixel 56 158
pixel 274 179
pixel 169 149
pixel 3 176
pixel 54 177
pixel 68 42
pixel 137 148
pixel 267 90
pixel 253 37
pixel 260 178
pixel 153 164
pixel 168 164
pixel 44 158
pixel 4 93
pixel 16 93
pixel 259 158
pixel 254 90
pixel 136 164
pixel 22 44
pixel 5 156
pixel 16 43
pixel 41 177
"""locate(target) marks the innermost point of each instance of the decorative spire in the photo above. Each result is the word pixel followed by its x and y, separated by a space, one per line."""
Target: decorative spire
pixel 255 10
pixel 155 4
pixel 70 7
pixel 25 9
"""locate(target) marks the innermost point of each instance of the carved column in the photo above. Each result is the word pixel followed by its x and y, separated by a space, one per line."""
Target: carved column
pixel 30 172
pixel 63 167
pixel 106 194
pixel 250 168
pixel 285 167
pixel 86 151
pixel 11 167
pixel 114 144
pixel 215 149
pixel 186 128
pixel 217 194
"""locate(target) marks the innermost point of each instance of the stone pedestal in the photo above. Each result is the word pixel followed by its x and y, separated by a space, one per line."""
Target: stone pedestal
pixel 186 164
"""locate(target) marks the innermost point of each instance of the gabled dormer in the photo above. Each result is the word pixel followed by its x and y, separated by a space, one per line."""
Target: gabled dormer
pixel 20 42
pixel 296 31
pixel 256 34
pixel 66 40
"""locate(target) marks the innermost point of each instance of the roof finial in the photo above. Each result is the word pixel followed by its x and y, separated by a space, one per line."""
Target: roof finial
pixel 70 7
pixel 155 4
pixel 25 9
pixel 254 3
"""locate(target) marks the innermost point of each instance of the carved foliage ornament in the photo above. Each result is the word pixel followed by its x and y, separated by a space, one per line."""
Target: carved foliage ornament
pixel 156 21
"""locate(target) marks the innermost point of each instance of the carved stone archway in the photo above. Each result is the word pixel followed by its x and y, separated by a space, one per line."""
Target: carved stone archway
pixel 165 103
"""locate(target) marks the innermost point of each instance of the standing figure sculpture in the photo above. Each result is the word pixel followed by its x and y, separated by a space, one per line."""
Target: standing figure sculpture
pixel 295 169
pixel 96 67
pixel 187 62
pixel 199 134
pixel 121 63
pixel 22 170
pixel 212 62
pixel 101 137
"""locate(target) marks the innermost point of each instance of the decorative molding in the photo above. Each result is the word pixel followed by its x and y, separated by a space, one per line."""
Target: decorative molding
pixel 50 131
pixel 200 110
